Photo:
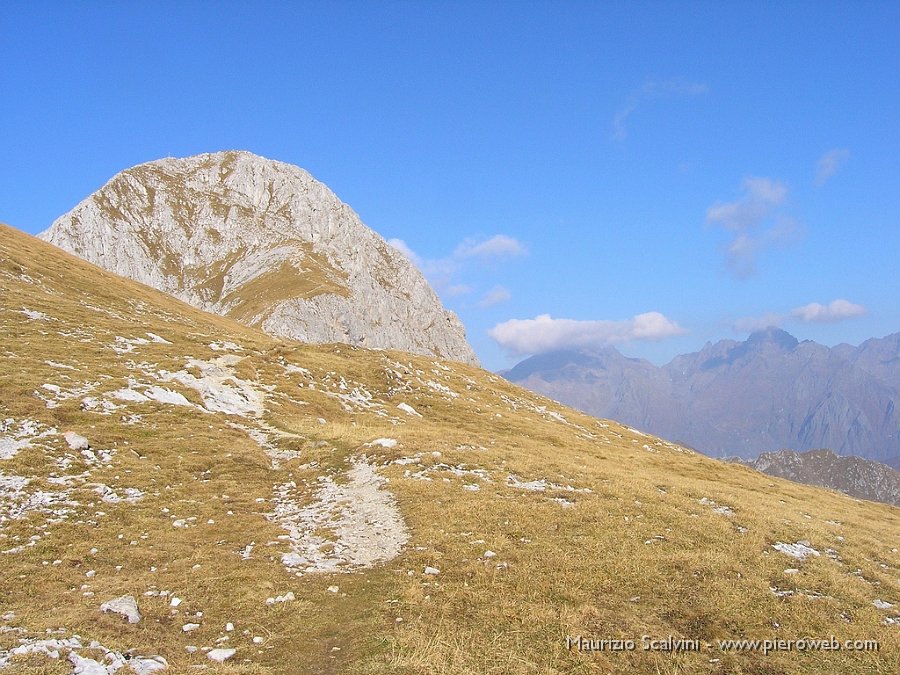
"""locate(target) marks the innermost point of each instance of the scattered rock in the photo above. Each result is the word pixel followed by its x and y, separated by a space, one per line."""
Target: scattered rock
pixel 801 550
pixel 220 655
pixel 718 508
pixel 76 441
pixel 143 665
pixel 408 409
pixel 85 666
pixel 125 605
pixel 287 597
pixel 34 314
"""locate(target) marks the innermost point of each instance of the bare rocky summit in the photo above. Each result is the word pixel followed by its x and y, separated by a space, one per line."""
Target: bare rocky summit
pixel 264 243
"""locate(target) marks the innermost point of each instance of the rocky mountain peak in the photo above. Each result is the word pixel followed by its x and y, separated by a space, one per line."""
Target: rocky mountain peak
pixel 773 336
pixel 265 243
pixel 593 359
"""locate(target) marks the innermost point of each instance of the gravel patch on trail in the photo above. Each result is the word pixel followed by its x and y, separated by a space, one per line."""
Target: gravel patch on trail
pixel 366 524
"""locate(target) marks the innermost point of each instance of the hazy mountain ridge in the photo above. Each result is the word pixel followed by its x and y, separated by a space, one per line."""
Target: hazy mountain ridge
pixel 264 243
pixel 178 490
pixel 854 476
pixel 741 398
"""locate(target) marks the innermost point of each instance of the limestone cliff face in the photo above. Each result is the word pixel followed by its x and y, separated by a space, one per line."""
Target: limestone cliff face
pixel 264 243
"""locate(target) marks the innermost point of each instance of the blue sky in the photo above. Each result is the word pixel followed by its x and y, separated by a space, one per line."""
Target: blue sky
pixel 650 175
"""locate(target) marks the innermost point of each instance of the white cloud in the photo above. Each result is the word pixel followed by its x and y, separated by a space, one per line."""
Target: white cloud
pixel 836 310
pixel 544 333
pixel 652 90
pixel 829 164
pixel 498 246
pixel 494 296
pixel 755 221
pixel 443 273
pixel 761 196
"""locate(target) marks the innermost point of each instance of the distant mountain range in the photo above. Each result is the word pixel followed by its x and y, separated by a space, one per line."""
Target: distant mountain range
pixel 741 398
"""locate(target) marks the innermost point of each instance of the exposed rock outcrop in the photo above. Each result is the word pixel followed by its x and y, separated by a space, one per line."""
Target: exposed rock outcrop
pixel 262 242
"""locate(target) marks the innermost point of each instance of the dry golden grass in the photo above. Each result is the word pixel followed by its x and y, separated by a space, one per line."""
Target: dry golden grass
pixel 637 554
pixel 312 276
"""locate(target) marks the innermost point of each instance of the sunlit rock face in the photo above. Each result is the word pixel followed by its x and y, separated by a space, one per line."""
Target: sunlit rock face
pixel 265 243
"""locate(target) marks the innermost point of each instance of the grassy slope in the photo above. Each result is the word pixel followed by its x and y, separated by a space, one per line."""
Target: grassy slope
pixel 636 555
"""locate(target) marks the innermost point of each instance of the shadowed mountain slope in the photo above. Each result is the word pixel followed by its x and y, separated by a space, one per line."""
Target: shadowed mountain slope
pixel 855 476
